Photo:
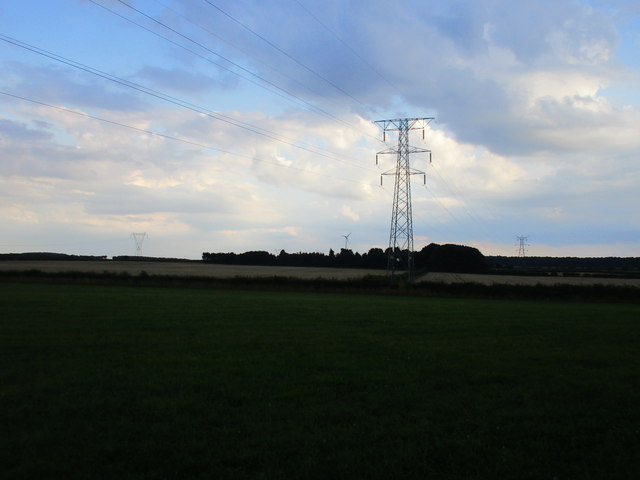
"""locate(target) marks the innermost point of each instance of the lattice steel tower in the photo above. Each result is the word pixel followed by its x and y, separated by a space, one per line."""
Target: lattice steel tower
pixel 400 252
pixel 522 246
pixel 138 238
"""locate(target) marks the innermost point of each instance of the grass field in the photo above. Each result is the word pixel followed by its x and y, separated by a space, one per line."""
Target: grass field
pixel 133 382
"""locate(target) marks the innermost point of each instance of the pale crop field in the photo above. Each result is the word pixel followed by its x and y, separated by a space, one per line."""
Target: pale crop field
pixel 526 280
pixel 186 269
pixel 196 269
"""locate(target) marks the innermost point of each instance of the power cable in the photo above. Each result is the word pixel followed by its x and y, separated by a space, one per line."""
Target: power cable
pixel 351 49
pixel 469 210
pixel 300 101
pixel 171 137
pixel 291 57
pixel 449 212
pixel 170 99
pixel 289 96
pixel 241 50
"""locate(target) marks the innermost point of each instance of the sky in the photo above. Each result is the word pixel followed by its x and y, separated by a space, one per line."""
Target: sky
pixel 238 125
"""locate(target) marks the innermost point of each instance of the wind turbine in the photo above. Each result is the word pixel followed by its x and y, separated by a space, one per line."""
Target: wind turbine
pixel 346 240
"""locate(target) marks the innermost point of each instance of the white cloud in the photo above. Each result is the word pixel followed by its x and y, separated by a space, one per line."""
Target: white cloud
pixel 348 212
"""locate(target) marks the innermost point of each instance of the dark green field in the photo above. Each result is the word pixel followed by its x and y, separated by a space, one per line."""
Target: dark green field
pixel 134 382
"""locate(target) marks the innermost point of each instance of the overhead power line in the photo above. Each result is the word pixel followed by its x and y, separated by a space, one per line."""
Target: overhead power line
pixel 266 84
pixel 347 46
pixel 283 52
pixel 174 138
pixel 281 92
pixel 465 204
pixel 245 52
pixel 175 101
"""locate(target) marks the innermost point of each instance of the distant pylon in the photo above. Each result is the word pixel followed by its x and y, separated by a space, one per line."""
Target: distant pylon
pixel 400 252
pixel 522 242
pixel 139 238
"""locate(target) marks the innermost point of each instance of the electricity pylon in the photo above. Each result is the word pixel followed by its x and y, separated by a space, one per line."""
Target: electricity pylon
pixel 400 252
pixel 139 238
pixel 522 251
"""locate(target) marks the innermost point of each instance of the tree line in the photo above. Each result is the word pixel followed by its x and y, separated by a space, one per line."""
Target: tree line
pixel 433 257
pixel 37 256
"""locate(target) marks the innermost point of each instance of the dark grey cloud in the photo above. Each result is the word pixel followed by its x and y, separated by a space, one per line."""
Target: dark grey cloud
pixel 26 149
pixel 434 55
pixel 69 87
pixel 20 132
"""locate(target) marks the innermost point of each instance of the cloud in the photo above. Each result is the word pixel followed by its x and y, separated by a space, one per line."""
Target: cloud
pixel 485 69
pixel 65 86
pixel 22 132
pixel 348 212
pixel 528 138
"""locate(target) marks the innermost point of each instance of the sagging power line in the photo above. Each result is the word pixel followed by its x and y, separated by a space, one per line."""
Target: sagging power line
pixel 261 82
pixel 347 46
pixel 283 52
pixel 178 139
pixel 176 101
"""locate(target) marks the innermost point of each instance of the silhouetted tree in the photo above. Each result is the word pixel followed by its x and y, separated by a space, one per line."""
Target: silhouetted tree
pixel 421 258
pixel 455 258
pixel 375 258
pixel 444 258
pixel 345 258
